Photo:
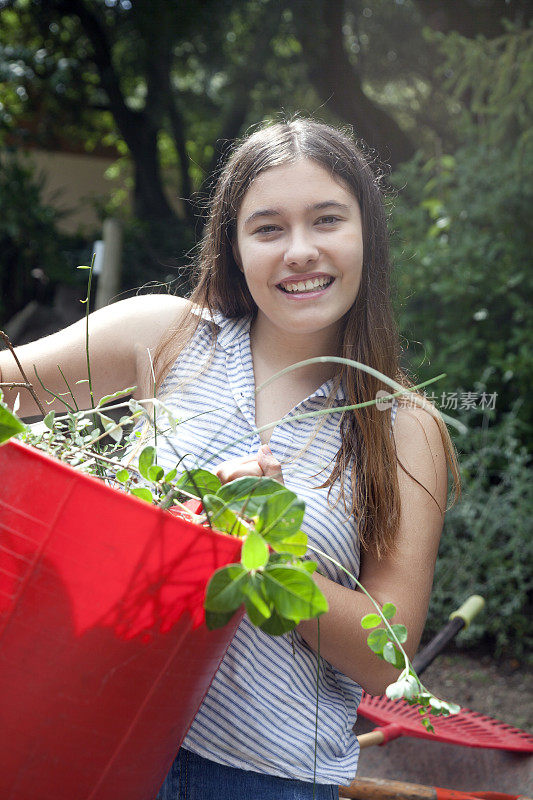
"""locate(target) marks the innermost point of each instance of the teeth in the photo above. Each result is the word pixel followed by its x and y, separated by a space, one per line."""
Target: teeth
pixel 306 286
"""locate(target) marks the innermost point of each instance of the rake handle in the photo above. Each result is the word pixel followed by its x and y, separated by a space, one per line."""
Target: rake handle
pixel 379 789
pixel 429 653
pixel 458 620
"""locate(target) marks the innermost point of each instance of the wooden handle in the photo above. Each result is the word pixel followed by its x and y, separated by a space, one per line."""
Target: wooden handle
pixel 377 789
pixel 368 739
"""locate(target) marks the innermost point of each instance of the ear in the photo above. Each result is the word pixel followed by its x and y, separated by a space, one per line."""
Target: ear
pixel 237 255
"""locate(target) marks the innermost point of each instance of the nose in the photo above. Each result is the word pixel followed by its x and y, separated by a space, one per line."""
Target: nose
pixel 300 249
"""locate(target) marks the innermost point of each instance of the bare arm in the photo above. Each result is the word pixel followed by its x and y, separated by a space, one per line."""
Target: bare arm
pixel 405 577
pixel 119 338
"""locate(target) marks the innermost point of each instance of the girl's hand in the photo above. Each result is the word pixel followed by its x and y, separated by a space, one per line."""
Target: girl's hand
pixel 262 464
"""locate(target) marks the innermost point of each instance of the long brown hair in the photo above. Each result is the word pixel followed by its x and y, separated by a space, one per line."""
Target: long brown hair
pixel 369 335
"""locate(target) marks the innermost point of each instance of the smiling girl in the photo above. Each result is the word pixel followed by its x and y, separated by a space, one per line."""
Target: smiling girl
pixel 293 264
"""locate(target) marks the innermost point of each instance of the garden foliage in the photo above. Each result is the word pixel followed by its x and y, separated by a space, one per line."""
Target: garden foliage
pixel 462 246
pixel 486 546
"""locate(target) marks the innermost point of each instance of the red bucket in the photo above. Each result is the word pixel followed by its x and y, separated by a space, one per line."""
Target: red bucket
pixel 104 653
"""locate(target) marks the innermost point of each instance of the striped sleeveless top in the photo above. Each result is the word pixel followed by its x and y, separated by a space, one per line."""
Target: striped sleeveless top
pixel 259 713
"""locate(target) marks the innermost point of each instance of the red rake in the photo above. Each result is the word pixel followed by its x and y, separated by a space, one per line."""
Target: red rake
pixel 468 728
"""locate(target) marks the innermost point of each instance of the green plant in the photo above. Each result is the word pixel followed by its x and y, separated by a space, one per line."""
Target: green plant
pixel 486 546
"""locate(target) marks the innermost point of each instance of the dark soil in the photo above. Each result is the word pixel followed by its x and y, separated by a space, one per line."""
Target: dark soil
pixel 503 690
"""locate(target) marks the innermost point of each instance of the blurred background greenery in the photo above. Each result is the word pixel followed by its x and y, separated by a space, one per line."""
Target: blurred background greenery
pixel 126 107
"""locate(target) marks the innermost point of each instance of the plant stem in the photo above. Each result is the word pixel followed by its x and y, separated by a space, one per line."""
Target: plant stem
pixel 319 413
pixel 154 394
pixel 49 391
pixel 87 309
pixel 27 385
pixel 68 387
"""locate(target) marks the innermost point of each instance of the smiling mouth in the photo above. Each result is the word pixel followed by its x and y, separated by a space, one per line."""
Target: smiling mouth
pixel 304 287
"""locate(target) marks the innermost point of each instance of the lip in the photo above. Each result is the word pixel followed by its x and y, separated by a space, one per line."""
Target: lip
pixel 309 276
pixel 300 296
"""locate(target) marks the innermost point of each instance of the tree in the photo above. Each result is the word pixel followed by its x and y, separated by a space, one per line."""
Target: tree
pixel 129 62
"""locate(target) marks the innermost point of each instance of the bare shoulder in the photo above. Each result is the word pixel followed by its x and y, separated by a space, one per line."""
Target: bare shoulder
pixel 148 317
pixel 416 427
pixel 420 446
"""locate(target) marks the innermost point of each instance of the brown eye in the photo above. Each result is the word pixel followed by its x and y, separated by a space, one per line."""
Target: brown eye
pixel 267 229
pixel 330 220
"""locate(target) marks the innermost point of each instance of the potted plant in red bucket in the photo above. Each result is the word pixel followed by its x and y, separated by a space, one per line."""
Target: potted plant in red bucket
pixel 105 650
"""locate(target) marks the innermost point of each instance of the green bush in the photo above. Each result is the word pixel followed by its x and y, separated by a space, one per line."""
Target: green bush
pixel 487 546
pixel 462 246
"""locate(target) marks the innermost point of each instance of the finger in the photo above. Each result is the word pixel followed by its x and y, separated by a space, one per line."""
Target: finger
pixel 231 471
pixel 229 466
pixel 269 464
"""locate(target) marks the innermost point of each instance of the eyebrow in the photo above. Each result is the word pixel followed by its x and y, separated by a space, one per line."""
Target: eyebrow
pixel 273 212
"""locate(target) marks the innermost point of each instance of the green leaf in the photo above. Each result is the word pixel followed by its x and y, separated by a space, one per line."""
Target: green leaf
pixel 254 490
pixel 435 705
pixel 146 459
pixel 223 519
pixel 110 427
pixel 295 544
pixel 257 609
pixel 142 493
pixel 280 515
pixel 115 434
pixel 294 593
pixel 371 621
pixel 254 554
pixel 427 725
pixel 49 420
pixel 225 589
pixel 155 473
pixel 115 395
pixel 401 633
pixel 309 566
pixel 199 482
pixel 392 655
pixel 122 475
pixel 10 425
pixel 214 620
pixel 388 610
pixel 171 475
pixel 377 640
pixel 276 625
pixel 452 708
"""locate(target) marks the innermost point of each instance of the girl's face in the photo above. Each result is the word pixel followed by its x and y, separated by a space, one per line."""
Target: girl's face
pixel 300 247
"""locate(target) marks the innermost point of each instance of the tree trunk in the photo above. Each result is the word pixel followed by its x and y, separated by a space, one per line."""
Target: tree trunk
pixel 150 201
pixel 339 85
pixel 136 127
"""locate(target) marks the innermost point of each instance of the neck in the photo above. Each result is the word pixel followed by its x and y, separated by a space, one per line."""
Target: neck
pixel 275 350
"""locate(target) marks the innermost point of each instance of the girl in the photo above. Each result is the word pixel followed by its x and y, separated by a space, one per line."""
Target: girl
pixel 293 264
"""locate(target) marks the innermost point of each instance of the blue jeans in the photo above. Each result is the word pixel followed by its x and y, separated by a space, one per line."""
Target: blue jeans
pixel 192 777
